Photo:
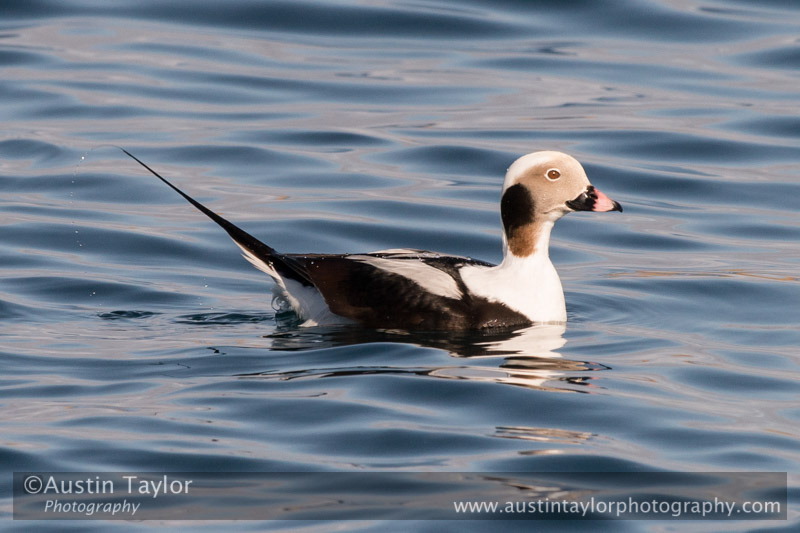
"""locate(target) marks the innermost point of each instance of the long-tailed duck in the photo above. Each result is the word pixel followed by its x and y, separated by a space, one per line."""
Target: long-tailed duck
pixel 419 290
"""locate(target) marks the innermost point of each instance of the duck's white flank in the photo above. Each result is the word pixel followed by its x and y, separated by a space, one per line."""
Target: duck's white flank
pixel 306 301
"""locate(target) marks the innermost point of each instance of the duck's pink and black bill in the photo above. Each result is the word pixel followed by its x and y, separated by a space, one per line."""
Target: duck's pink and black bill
pixel 593 200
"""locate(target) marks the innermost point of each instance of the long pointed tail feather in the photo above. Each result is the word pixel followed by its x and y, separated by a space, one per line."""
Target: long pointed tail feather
pixel 284 265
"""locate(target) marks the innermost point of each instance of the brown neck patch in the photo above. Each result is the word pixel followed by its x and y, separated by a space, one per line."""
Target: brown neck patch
pixel 522 241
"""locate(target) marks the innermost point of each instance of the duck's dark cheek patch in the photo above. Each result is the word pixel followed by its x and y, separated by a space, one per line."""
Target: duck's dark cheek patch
pixel 516 209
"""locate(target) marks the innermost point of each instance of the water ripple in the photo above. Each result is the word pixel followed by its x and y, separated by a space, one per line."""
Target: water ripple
pixel 135 337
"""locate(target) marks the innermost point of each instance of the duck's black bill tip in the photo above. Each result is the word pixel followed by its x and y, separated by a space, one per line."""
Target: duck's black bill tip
pixel 593 199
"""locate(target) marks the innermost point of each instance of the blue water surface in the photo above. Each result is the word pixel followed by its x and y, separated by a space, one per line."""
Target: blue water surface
pixel 133 337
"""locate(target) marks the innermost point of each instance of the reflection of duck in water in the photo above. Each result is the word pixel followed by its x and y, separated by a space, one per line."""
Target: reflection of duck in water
pixel 418 290
pixel 527 357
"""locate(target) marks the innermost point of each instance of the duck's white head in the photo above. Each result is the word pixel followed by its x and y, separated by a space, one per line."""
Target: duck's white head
pixel 540 188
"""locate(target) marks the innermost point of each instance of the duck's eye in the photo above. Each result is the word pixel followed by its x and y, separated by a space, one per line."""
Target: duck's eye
pixel 553 174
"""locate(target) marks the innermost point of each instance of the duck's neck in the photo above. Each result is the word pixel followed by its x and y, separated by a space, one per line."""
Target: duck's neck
pixel 528 243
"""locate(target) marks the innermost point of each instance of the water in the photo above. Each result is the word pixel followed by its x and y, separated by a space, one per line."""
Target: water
pixel 134 337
